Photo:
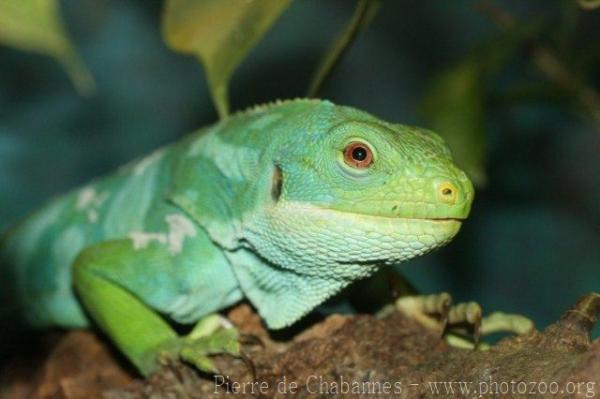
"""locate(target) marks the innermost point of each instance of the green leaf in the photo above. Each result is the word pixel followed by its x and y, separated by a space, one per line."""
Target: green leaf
pixel 589 4
pixel 36 26
pixel 454 107
pixel 220 33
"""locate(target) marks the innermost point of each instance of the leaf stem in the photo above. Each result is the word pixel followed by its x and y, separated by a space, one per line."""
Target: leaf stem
pixel 363 14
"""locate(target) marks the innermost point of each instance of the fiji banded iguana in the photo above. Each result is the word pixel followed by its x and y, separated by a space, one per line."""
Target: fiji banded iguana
pixel 284 204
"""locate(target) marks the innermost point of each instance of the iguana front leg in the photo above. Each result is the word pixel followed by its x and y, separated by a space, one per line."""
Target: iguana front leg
pixel 115 283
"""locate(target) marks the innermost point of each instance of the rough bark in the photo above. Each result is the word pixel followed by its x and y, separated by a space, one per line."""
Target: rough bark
pixel 357 356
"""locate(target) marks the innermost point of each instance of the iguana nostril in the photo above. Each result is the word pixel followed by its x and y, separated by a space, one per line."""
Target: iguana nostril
pixel 447 192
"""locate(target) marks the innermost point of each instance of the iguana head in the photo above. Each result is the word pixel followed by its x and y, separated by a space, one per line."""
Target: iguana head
pixel 358 190
pixel 343 192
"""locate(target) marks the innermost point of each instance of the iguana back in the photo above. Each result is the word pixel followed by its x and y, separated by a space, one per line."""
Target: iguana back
pixel 38 253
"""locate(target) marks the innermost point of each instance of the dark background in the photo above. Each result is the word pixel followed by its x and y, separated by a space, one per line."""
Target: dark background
pixel 532 244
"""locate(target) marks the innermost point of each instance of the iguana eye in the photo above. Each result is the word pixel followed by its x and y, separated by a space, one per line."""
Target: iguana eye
pixel 358 155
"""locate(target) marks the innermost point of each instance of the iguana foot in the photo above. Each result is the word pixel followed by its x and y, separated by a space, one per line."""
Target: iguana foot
pixel 212 335
pixel 458 322
pixel 437 312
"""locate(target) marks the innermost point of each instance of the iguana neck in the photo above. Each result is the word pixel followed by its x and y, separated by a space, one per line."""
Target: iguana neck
pixel 283 296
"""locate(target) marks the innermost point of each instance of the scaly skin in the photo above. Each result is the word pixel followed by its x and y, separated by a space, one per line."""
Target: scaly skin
pixel 263 205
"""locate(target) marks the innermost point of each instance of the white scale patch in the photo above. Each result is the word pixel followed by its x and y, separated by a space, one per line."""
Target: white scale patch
pixel 92 216
pixel 89 200
pixel 264 121
pixel 213 147
pixel 180 228
pixel 141 239
pixel 144 163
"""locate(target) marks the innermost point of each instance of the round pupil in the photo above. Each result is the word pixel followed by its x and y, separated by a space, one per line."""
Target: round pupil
pixel 359 154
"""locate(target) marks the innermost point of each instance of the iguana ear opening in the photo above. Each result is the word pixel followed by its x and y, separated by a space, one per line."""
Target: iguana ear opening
pixel 199 188
pixel 277 183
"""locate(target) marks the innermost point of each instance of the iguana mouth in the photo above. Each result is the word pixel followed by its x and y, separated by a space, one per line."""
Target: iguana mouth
pixel 403 218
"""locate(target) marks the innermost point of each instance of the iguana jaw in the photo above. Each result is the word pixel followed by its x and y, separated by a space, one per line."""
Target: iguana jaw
pixel 406 230
pixel 370 220
pixel 439 219
pixel 312 239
